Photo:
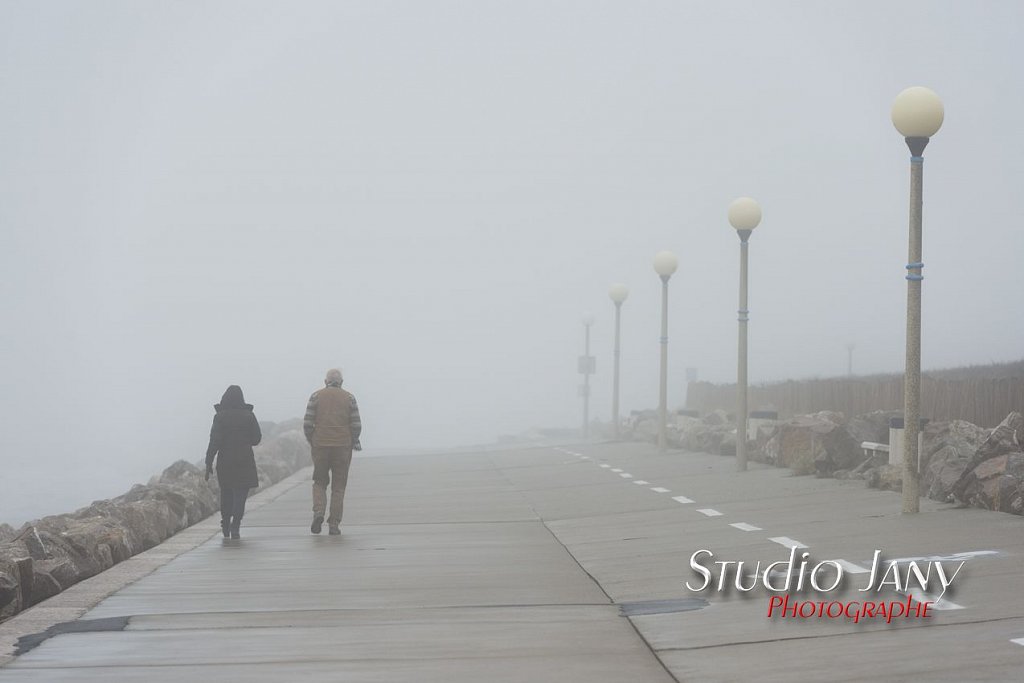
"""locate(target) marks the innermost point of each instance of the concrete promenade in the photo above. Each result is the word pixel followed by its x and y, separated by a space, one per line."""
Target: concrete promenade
pixel 552 563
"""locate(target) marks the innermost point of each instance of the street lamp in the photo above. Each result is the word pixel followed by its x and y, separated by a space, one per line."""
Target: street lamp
pixel 587 368
pixel 917 114
pixel 665 263
pixel 744 216
pixel 617 293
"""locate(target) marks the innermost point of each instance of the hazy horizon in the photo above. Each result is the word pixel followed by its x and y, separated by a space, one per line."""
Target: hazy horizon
pixel 431 195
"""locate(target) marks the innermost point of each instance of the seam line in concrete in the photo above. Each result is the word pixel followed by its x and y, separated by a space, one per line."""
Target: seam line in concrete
pixel 952 624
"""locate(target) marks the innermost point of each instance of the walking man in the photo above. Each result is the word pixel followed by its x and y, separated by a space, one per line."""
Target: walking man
pixel 332 427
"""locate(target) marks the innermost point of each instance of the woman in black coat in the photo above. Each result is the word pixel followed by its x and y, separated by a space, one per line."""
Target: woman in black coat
pixel 235 431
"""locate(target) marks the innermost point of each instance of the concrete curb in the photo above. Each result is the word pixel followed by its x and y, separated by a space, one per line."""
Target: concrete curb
pixel 74 602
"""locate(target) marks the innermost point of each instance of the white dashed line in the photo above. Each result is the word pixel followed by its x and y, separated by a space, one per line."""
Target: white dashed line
pixel 743 526
pixel 788 542
pixel 658 489
pixel 1018 641
pixel 851 568
pixel 626 475
pixel 682 499
pixel 606 466
pixel 641 482
pixel 616 469
pixel 709 512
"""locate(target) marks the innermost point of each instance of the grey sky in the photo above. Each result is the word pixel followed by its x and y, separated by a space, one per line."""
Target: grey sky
pixel 431 194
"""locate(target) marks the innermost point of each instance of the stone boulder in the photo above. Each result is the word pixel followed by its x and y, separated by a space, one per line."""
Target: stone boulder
pixel 641 425
pixel 716 418
pixel 997 484
pixel 873 426
pixel 885 477
pixel 946 450
pixel 7 532
pixel 1007 437
pixel 813 444
pixel 727 443
pixel 680 431
pixel 645 429
pixel 294 424
pixel 15 583
pixel 286 453
pixel 765 432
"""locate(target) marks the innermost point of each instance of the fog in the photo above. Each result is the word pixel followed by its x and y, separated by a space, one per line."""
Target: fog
pixel 431 195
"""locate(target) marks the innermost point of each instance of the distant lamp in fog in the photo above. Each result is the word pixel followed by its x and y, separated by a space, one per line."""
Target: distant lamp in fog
pixel 917 114
pixel 665 263
pixel 744 215
pixel 617 293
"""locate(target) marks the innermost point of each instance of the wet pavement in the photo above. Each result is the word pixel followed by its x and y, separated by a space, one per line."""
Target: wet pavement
pixel 551 563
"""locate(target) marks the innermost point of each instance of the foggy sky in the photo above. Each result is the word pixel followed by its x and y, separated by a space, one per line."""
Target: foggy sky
pixel 431 195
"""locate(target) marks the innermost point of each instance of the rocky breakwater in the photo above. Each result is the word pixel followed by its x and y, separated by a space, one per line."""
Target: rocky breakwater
pixel 959 461
pixel 713 433
pixel 48 555
pixel 993 477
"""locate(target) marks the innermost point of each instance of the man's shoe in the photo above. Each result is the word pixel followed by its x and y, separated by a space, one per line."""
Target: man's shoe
pixel 225 526
pixel 235 525
pixel 317 525
pixel 334 531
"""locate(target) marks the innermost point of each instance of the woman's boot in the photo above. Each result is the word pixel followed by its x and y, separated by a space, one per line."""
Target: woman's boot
pixel 225 526
pixel 236 523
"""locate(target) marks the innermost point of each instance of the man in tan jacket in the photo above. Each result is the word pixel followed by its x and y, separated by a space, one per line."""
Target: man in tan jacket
pixel 332 427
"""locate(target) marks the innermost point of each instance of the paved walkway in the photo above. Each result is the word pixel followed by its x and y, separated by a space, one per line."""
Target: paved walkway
pixel 517 566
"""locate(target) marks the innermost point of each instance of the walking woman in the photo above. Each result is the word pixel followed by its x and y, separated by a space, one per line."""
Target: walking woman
pixel 235 431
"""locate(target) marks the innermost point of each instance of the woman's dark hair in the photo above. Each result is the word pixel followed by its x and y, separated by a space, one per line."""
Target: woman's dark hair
pixel 233 398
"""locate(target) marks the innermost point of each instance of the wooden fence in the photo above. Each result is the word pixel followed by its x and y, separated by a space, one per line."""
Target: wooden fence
pixel 983 401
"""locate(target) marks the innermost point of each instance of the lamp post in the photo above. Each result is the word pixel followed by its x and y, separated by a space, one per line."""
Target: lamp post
pixel 665 263
pixel 587 368
pixel 744 216
pixel 617 293
pixel 917 114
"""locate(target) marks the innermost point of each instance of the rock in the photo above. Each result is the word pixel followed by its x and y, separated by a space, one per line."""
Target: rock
pixel 646 430
pixel 7 532
pixel 716 418
pixel 873 426
pixel 813 444
pixel 294 424
pixel 997 484
pixel 886 478
pixel 683 430
pixel 727 444
pixel 947 449
pixel 15 585
pixel 44 586
pixel 181 470
pixel 10 590
pixel 1007 437
pixel 764 434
